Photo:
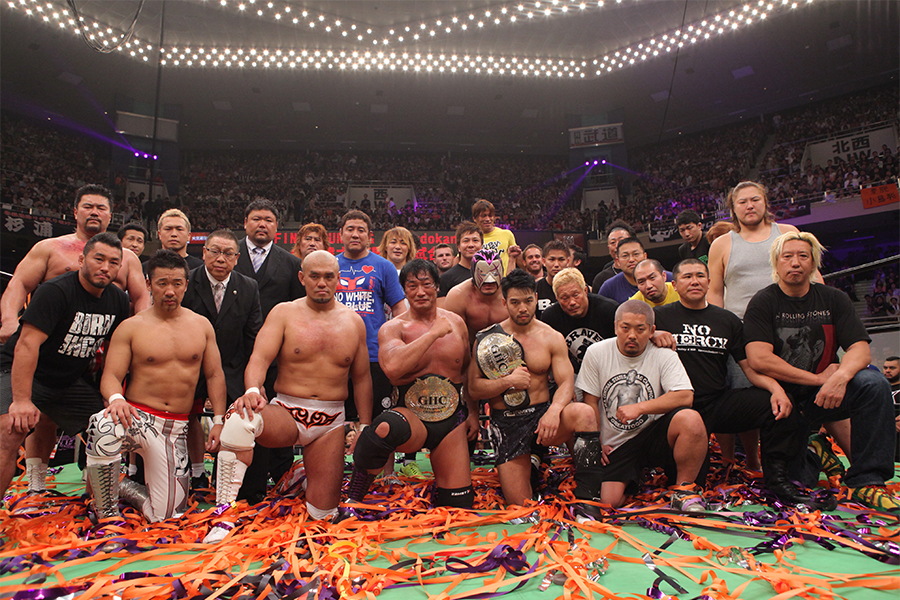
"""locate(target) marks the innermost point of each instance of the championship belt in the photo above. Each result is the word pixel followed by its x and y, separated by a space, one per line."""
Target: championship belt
pixel 432 398
pixel 498 354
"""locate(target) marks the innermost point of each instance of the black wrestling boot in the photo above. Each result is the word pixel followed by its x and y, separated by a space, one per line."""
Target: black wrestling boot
pixel 360 483
pixel 779 483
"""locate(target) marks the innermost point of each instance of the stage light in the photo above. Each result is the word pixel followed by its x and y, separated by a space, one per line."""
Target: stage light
pixel 154 157
pixel 146 155
pixel 137 154
pixel 603 162
pixel 595 162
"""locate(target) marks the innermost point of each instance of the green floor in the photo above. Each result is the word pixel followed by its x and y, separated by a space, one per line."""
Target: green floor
pixel 59 549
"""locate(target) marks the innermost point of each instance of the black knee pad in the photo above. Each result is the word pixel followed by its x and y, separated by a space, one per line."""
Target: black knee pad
pixel 457 498
pixel 373 451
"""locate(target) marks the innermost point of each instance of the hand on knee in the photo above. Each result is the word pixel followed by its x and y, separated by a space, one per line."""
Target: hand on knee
pixel 239 433
pixel 104 439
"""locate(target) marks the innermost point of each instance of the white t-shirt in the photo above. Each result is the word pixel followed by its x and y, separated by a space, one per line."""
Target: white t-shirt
pixel 619 380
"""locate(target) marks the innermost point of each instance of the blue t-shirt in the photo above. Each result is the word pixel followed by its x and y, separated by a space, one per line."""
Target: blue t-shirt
pixel 366 285
pixel 617 288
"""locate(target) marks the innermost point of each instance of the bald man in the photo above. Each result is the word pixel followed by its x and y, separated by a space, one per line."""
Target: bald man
pixel 319 344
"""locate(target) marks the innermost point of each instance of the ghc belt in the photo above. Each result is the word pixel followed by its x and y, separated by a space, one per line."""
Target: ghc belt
pixel 498 354
pixel 430 397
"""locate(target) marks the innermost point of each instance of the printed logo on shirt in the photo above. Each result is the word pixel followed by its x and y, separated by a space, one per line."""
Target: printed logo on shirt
pixel 493 245
pixel 697 338
pixel 86 334
pixel 578 341
pixel 803 347
pixel 622 390
pixel 355 290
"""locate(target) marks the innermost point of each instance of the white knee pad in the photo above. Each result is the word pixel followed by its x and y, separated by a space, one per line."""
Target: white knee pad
pixel 104 438
pixel 240 433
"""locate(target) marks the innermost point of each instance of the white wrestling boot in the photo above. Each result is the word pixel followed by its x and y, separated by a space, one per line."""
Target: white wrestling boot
pixel 229 477
pixel 36 470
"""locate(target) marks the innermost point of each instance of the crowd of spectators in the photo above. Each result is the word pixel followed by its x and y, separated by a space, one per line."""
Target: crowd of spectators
pixel 879 288
pixel 781 170
pixel 41 166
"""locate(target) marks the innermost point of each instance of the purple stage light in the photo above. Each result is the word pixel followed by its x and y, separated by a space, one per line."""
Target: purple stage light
pixel 595 162
pixel 146 155
pixel 603 162
pixel 587 162
pixel 137 154
pixel 154 157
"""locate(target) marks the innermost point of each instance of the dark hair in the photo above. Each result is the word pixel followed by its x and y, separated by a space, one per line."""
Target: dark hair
pixel 94 190
pixel 897 358
pixel 578 253
pixel 355 215
pixel 261 204
pixel 226 234
pixel 133 226
pixel 620 224
pixel 688 261
pixel 106 238
pixel 518 280
pixel 656 265
pixel 481 205
pixel 452 249
pixel 688 216
pixel 556 245
pixel 529 247
pixel 166 259
pixel 416 267
pixel 467 227
pixel 629 240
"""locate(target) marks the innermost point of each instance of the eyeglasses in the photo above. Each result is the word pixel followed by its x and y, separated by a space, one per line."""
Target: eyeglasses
pixel 229 254
pixel 428 285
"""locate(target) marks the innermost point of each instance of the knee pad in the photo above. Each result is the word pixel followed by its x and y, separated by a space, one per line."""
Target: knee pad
pixel 239 432
pixel 463 497
pixel 104 439
pixel 372 451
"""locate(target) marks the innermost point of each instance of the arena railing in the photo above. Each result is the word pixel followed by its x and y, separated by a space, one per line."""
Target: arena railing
pixel 873 324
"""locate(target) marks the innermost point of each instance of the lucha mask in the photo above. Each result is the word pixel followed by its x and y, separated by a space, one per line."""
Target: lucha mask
pixel 486 268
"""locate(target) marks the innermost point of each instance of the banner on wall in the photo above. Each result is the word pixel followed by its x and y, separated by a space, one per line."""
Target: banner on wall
pixel 879 195
pixel 598 135
pixel 24 223
pixel 844 147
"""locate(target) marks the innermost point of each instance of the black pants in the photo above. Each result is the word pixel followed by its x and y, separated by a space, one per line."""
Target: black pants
pixel 736 411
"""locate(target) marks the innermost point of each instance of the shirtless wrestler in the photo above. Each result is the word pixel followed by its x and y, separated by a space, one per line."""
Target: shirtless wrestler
pixel 425 354
pixel 48 259
pixel 163 349
pixel 319 344
pixel 522 411
pixel 476 300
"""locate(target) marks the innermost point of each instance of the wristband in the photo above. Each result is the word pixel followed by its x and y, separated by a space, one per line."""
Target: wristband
pixel 255 390
pixel 115 397
pixel 218 420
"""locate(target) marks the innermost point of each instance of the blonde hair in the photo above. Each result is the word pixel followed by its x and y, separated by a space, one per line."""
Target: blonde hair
pixel 567 276
pixel 402 233
pixel 729 202
pixel 173 212
pixel 804 236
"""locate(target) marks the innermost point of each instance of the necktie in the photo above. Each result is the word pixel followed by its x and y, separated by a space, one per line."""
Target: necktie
pixel 219 294
pixel 256 257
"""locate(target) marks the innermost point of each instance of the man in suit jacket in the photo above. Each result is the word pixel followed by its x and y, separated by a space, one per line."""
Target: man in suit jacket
pixel 233 310
pixel 276 271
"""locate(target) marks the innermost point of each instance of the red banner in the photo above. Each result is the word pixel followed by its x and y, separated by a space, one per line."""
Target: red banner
pixel 880 195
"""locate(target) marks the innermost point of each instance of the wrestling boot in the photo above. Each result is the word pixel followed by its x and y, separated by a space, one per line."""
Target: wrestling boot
pixel 137 496
pixel 831 465
pixel 36 470
pixel 229 476
pixel 778 481
pixel 687 497
pixel 104 482
pixel 360 484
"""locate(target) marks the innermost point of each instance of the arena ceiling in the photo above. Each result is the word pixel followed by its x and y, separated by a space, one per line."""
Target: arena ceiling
pixel 424 75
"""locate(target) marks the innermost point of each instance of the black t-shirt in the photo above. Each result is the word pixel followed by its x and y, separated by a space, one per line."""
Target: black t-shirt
pixel 453 276
pixel 598 324
pixel 701 252
pixel 76 324
pixel 704 340
pixel 807 331
pixel 545 296
pixel 608 272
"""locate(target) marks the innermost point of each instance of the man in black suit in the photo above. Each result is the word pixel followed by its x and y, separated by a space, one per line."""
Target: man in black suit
pixel 276 271
pixel 230 301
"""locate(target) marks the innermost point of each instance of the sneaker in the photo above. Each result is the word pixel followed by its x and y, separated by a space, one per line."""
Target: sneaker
pixel 391 480
pixel 831 464
pixel 874 496
pixel 218 532
pixel 200 483
pixel 687 497
pixel 584 512
pixel 412 470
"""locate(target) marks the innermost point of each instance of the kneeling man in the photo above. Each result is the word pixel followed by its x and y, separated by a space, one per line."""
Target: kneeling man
pixel 512 362
pixel 163 348
pixel 425 353
pixel 319 344
pixel 642 397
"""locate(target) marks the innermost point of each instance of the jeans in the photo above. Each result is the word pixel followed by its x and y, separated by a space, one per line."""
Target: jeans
pixel 867 401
